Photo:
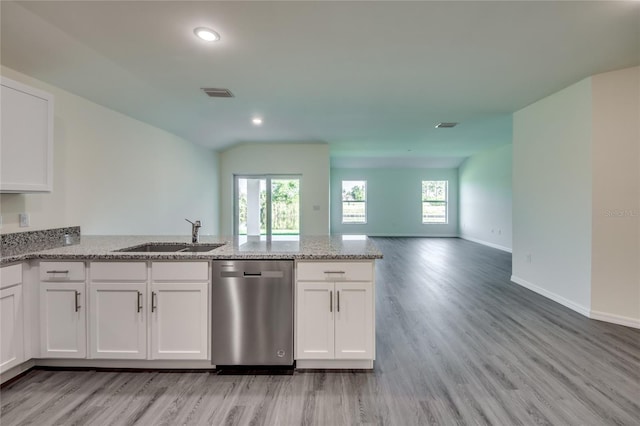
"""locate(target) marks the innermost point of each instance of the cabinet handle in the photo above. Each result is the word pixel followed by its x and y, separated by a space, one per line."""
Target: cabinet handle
pixel 139 301
pixel 334 272
pixel 338 300
pixel 153 301
pixel 77 304
pixel 58 272
pixel 331 301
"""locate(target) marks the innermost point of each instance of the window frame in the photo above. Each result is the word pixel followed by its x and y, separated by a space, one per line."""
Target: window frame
pixel 445 201
pixel 342 201
pixel 268 206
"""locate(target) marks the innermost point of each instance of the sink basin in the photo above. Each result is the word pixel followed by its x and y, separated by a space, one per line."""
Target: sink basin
pixel 199 248
pixel 170 248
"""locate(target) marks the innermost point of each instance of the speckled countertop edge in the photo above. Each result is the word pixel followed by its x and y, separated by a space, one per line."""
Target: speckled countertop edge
pixel 306 248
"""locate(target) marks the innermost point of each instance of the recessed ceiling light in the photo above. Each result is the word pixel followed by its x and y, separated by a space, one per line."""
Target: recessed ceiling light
pixel 206 34
pixel 446 125
pixel 257 121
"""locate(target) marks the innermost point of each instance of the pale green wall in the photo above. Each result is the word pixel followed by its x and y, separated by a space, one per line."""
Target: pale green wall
pixel 485 198
pixel 394 202
pixel 576 197
pixel 615 271
pixel 114 175
pixel 311 160
pixel 552 196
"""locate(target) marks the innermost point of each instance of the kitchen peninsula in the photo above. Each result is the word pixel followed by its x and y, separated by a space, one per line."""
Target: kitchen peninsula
pixel 336 247
pixel 90 304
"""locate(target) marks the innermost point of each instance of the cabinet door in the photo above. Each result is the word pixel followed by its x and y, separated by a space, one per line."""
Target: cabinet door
pixel 354 321
pixel 26 151
pixel 11 331
pixel 63 320
pixel 118 326
pixel 179 320
pixel 314 320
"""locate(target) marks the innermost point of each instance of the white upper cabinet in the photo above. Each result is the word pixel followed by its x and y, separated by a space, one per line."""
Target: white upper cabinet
pixel 26 142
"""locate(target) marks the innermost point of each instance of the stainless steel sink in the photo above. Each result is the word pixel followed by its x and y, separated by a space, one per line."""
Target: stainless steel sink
pixel 171 248
pixel 199 248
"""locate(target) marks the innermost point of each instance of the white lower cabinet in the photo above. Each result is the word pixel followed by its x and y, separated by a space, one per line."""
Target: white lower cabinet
pixel 354 321
pixel 335 319
pixel 63 310
pixel 169 312
pixel 118 320
pixel 11 318
pixel 179 310
pixel 179 320
pixel 63 322
pixel 118 310
pixel 315 321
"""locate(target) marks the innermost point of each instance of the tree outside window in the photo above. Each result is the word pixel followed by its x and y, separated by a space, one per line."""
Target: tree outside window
pixel 354 201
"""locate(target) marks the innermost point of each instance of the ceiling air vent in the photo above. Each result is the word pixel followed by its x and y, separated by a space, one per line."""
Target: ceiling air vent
pixel 217 93
pixel 444 125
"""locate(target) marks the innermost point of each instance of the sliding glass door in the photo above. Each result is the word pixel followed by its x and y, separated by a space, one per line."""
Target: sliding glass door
pixel 267 205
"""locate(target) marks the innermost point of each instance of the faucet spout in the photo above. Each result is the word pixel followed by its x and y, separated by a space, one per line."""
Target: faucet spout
pixel 195 228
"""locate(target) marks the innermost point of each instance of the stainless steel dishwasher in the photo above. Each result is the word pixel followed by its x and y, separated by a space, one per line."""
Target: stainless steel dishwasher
pixel 252 313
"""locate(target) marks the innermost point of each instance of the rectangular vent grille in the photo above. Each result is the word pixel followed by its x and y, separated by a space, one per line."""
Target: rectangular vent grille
pixel 217 93
pixel 444 125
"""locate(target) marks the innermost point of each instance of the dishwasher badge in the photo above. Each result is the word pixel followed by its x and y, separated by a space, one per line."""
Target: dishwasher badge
pixel 280 353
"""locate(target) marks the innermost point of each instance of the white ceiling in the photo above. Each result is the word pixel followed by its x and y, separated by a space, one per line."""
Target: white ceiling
pixel 369 78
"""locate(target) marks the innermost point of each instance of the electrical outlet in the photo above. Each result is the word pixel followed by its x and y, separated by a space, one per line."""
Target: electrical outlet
pixel 499 231
pixel 529 258
pixel 24 220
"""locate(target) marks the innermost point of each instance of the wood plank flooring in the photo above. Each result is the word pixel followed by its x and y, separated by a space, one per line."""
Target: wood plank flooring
pixel 457 344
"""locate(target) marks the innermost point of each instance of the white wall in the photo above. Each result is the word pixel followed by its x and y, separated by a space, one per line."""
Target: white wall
pixel 485 198
pixel 311 160
pixel 116 175
pixel 615 290
pixel 394 202
pixel 552 196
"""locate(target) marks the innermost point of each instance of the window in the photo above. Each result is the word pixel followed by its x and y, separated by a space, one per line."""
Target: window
pixel 267 205
pixel 354 201
pixel 434 201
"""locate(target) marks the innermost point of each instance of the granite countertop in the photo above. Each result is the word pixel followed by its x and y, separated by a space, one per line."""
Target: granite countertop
pixel 338 247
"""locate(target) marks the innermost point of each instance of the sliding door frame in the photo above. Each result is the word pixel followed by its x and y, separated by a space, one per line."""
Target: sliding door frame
pixel 268 178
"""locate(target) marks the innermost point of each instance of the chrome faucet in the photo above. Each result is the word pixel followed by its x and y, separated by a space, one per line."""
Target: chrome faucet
pixel 195 227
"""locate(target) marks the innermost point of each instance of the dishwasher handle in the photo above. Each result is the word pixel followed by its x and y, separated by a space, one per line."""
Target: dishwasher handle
pixel 263 274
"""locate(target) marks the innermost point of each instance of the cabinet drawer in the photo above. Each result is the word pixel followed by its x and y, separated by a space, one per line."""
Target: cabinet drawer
pixel 10 275
pixel 335 271
pixel 118 271
pixel 180 271
pixel 61 271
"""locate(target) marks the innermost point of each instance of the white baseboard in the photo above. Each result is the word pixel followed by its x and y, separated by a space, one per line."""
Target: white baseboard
pixel 486 243
pixel 125 363
pixel 583 310
pixel 366 364
pixel 596 315
pixel 615 319
pixel 16 371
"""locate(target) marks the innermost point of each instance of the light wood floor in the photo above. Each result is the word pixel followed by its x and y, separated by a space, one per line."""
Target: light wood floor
pixel 457 343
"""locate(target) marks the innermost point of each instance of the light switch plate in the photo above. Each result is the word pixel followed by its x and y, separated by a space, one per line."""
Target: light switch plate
pixel 24 220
